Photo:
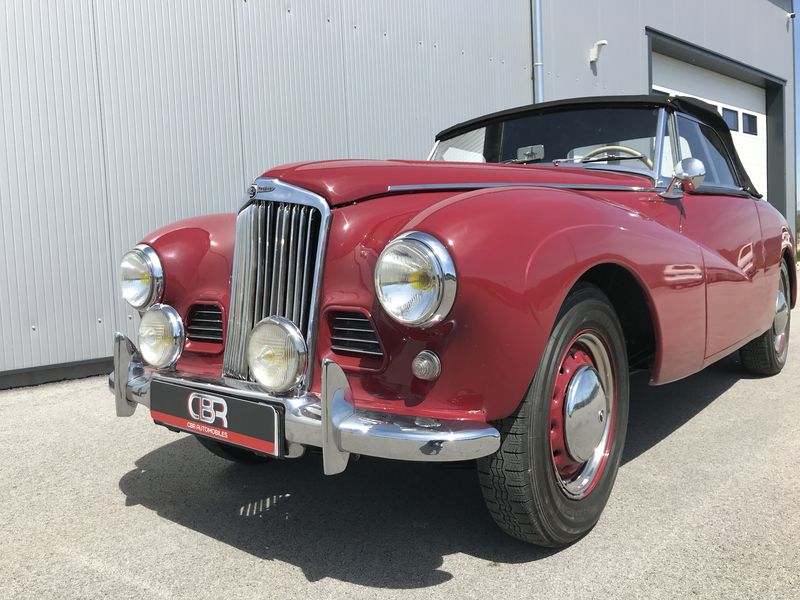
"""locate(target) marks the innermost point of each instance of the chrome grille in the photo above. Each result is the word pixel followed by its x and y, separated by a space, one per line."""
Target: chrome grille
pixel 276 268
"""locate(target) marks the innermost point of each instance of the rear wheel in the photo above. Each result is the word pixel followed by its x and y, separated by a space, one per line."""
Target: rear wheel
pixel 231 453
pixel 766 355
pixel 560 451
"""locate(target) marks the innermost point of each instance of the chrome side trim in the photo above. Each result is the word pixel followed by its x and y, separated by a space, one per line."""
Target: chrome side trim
pixel 332 422
pixel 445 187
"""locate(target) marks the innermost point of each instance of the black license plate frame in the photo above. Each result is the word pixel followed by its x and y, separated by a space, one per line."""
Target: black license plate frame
pixel 220 416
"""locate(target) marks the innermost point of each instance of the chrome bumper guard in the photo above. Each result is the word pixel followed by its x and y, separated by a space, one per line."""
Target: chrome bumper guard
pixel 332 422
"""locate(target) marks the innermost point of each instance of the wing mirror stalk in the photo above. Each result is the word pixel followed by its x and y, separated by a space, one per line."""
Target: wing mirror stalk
pixel 687 176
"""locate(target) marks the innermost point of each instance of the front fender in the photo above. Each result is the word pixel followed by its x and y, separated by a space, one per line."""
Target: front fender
pixel 518 252
pixel 197 256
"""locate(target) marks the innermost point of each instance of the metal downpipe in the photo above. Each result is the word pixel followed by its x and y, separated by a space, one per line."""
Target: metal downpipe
pixel 538 63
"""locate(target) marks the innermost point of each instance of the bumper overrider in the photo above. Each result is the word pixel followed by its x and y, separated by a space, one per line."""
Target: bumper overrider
pixel 330 422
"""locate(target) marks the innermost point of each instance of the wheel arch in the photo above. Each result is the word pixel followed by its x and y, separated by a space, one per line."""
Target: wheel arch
pixel 632 303
pixel 789 259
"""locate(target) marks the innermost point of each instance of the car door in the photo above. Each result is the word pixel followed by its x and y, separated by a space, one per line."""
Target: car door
pixel 724 222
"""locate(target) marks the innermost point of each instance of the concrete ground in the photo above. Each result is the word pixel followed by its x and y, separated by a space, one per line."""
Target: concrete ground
pixel 705 505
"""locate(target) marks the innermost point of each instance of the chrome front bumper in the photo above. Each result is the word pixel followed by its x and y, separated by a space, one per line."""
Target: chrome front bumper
pixel 330 422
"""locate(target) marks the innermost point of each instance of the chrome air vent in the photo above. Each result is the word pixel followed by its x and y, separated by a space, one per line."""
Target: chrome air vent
pixel 352 333
pixel 277 265
pixel 204 324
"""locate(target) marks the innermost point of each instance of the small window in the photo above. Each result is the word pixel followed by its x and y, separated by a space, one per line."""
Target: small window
pixel 731 118
pixel 750 124
pixel 700 141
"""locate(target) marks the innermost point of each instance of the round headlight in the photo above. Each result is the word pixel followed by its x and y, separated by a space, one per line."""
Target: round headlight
pixel 161 336
pixel 277 354
pixel 415 279
pixel 141 277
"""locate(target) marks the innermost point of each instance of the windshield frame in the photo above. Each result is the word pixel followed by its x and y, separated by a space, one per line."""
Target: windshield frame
pixel 654 173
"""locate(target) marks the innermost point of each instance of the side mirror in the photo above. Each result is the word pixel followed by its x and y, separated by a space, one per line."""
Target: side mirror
pixel 688 175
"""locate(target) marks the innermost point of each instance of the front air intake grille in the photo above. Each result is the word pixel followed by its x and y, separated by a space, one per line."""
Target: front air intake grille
pixel 204 324
pixel 275 271
pixel 353 334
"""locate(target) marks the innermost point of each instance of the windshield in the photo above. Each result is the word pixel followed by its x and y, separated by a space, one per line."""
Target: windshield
pixel 586 136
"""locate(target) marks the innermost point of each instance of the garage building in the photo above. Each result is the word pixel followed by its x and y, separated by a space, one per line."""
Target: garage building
pixel 119 117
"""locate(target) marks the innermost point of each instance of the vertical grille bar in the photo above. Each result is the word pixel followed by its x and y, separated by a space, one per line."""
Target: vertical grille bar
pixel 275 271
pixel 305 300
pixel 291 266
pixel 241 284
pixel 301 262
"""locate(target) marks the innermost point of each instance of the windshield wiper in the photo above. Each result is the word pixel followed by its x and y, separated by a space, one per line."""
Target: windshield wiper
pixel 520 161
pixel 608 157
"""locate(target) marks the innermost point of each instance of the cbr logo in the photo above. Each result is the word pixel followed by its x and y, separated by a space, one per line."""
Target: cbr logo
pixel 208 409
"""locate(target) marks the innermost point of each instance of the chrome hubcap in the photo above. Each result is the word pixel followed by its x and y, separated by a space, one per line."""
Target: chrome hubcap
pixel 584 413
pixel 781 325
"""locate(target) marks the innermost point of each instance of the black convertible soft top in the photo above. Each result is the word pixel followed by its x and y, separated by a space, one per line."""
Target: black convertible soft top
pixel 701 110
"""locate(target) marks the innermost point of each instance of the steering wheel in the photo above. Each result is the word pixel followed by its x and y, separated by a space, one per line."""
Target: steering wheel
pixel 625 149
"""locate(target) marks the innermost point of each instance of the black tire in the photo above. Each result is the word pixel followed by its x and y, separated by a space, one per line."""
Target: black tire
pixel 232 453
pixel 762 355
pixel 520 482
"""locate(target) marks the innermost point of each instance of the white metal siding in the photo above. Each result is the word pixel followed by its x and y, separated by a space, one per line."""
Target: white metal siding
pixel 121 116
pixel 56 264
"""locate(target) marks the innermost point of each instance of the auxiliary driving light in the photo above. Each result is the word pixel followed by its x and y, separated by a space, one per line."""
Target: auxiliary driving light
pixel 161 336
pixel 277 354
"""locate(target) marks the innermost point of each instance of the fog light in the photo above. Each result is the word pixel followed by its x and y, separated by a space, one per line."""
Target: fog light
pixel 161 336
pixel 426 366
pixel 277 354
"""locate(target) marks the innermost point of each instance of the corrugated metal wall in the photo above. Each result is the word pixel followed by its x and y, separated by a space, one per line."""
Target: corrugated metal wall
pixel 118 117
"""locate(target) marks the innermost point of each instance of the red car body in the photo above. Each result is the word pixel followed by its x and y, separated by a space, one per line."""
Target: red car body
pixel 708 275
pixel 552 281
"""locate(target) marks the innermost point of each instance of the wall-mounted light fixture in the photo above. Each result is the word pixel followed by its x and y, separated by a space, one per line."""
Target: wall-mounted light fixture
pixel 594 51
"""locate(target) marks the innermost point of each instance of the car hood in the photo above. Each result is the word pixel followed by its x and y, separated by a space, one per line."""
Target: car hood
pixel 346 181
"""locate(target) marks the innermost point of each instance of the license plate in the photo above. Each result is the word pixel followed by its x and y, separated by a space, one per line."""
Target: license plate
pixel 221 417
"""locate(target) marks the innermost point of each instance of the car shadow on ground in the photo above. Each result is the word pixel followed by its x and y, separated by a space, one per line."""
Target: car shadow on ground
pixel 381 523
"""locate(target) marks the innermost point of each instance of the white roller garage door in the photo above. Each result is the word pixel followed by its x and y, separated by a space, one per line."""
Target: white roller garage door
pixel 743 105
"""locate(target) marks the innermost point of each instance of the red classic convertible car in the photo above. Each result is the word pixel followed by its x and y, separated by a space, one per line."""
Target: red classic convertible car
pixel 486 304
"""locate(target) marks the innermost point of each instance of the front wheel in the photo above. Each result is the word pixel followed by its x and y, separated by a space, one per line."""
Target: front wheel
pixel 560 451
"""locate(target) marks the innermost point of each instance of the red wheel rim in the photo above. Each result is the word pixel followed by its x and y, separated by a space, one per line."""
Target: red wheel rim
pixel 586 357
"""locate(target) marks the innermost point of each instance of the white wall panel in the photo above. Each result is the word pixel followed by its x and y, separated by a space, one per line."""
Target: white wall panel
pixel 169 95
pixel 55 268
pixel 373 79
pixel 412 73
pixel 120 116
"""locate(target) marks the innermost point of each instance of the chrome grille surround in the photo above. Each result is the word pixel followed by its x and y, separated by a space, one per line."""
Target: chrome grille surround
pixel 281 237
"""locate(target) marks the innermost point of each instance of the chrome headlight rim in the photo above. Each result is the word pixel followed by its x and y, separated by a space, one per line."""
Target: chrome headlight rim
pixel 177 330
pixel 295 336
pixel 446 274
pixel 150 258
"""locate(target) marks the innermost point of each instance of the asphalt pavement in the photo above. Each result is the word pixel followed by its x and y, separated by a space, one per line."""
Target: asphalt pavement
pixel 93 506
